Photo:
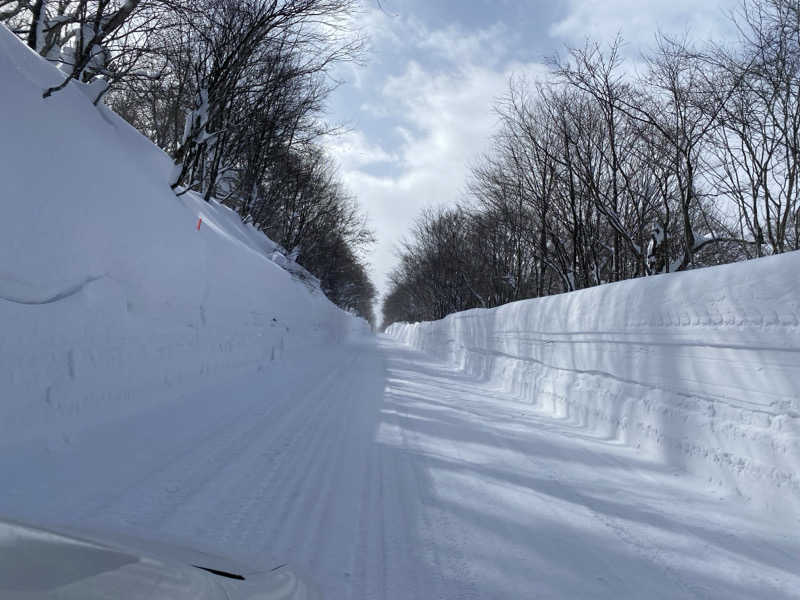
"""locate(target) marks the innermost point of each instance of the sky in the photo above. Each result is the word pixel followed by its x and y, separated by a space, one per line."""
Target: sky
pixel 420 110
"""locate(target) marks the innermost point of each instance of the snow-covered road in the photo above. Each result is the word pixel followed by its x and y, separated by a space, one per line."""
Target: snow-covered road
pixel 385 474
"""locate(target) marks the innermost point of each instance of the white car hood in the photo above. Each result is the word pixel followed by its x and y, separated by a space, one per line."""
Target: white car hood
pixel 42 563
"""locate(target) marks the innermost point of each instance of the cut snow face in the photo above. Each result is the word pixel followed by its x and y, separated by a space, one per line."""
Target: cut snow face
pixel 700 370
pixel 108 289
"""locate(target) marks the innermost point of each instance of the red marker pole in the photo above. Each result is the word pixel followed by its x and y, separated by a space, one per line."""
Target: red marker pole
pixel 199 222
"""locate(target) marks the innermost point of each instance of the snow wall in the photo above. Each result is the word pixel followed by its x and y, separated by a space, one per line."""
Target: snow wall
pixel 111 297
pixel 699 370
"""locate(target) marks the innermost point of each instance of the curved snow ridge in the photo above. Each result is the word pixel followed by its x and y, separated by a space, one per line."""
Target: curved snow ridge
pixel 698 370
pixel 712 338
pixel 773 409
pixel 23 294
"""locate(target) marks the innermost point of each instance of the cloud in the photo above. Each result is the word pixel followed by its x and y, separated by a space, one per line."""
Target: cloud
pixel 353 151
pixel 432 94
pixel 486 46
pixel 639 20
pixel 447 120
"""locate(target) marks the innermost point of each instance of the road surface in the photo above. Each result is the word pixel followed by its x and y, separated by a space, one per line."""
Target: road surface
pixel 386 475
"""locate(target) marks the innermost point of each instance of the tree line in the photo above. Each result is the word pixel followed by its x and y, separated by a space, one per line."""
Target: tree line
pixel 234 91
pixel 604 173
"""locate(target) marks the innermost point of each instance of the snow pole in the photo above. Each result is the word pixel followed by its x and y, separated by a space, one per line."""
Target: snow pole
pixel 199 222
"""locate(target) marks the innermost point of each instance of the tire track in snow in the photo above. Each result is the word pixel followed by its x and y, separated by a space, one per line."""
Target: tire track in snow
pixel 169 486
pixel 234 453
pixel 437 524
pixel 242 510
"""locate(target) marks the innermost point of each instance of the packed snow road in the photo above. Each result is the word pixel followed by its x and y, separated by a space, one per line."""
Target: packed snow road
pixel 383 474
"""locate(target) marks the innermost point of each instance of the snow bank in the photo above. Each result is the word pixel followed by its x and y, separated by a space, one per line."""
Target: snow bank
pixel 699 370
pixel 111 298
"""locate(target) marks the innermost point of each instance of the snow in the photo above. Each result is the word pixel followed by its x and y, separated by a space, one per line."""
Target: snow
pixel 176 384
pixel 699 370
pixel 383 474
pixel 110 296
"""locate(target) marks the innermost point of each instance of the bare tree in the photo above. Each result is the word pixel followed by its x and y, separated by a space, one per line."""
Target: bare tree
pixel 758 131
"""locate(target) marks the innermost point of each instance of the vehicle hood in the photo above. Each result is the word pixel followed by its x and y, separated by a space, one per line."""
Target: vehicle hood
pixel 66 564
